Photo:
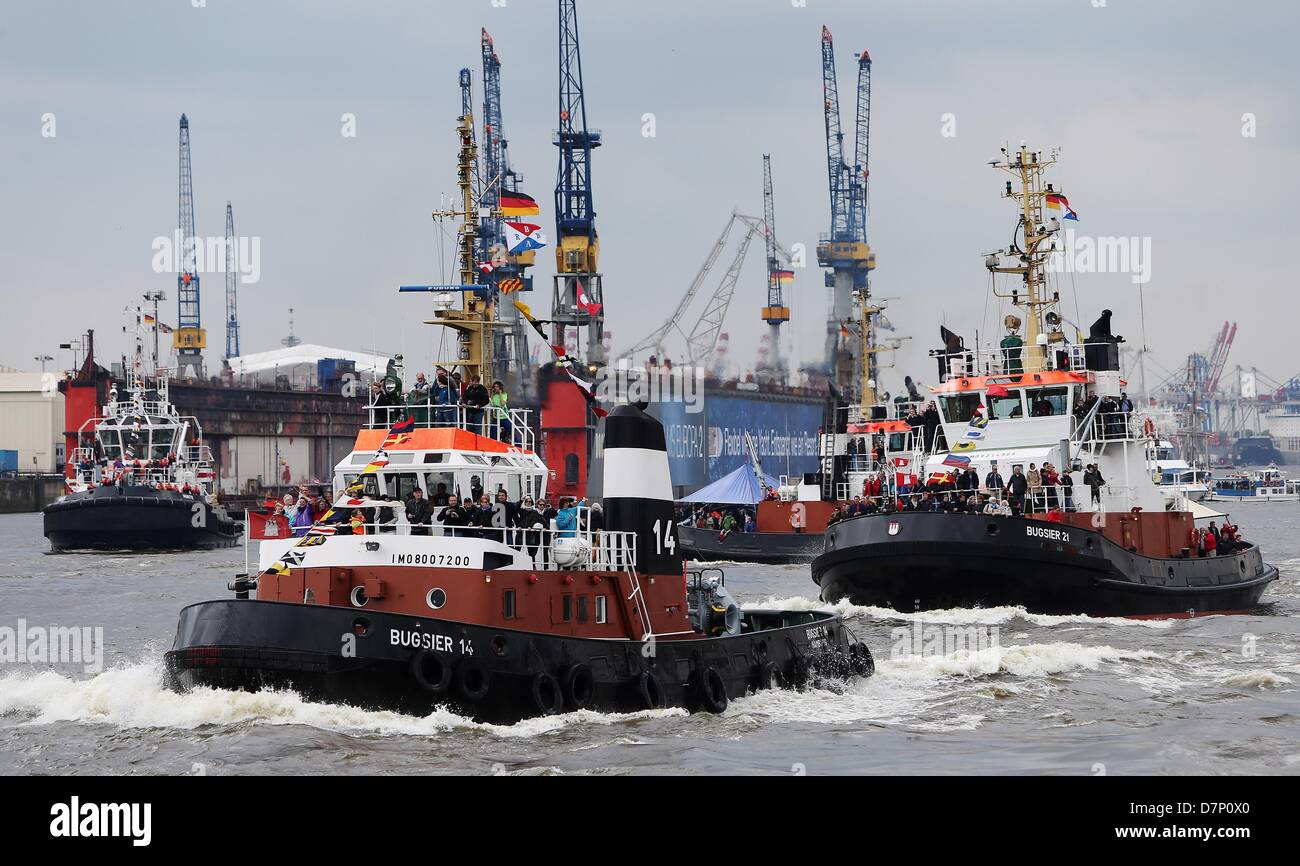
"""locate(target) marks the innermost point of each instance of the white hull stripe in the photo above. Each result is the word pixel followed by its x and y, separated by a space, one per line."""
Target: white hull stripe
pixel 637 473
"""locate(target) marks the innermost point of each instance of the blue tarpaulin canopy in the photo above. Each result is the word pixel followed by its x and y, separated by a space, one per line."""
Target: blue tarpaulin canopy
pixel 739 487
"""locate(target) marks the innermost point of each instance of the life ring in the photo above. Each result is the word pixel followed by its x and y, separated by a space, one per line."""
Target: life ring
pixel 710 690
pixel 431 672
pixel 1149 428
pixel 473 681
pixel 547 696
pixel 647 687
pixel 579 686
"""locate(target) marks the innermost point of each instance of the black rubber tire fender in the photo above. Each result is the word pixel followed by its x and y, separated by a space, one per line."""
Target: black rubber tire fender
pixel 431 672
pixel 767 675
pixel 710 689
pixel 473 681
pixel 579 686
pixel 650 692
pixel 547 696
pixel 864 664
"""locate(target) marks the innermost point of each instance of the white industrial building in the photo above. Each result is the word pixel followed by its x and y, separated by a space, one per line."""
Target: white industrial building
pixel 31 419
pixel 298 366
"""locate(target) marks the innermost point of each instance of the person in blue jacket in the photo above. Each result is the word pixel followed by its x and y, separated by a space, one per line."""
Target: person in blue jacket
pixel 566 521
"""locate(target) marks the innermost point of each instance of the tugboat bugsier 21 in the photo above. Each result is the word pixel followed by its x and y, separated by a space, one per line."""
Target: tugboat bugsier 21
pixel 1107 547
pixel 499 622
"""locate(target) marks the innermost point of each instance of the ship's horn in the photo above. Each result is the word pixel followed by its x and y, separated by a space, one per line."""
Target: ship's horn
pixel 638 490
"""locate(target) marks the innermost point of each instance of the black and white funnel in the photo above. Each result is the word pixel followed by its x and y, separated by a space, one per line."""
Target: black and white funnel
pixel 638 492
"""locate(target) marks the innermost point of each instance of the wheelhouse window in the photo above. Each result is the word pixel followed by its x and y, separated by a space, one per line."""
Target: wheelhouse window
pixel 435 480
pixel 1001 408
pixel 508 609
pixel 959 409
pixel 602 609
pixel 1048 402
pixel 899 442
pixel 401 485
pixel 582 608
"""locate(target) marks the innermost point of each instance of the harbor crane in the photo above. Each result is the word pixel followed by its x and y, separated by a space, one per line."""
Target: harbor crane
pixel 703 336
pixel 844 250
pixel 232 261
pixel 776 312
pixel 578 299
pixel 189 339
pixel 509 271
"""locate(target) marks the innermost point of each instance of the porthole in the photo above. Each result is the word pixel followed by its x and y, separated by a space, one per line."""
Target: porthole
pixel 436 598
pixel 359 597
pixel 361 626
pixel 499 644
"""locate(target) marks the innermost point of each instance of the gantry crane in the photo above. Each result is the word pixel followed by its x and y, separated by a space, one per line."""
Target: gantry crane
pixel 509 271
pixel 232 260
pixel 578 300
pixel 776 312
pixel 703 336
pixel 189 339
pixel 844 250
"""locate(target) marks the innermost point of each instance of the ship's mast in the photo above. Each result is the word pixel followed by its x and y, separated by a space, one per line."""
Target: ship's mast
pixel 1031 248
pixel 474 320
pixel 867 351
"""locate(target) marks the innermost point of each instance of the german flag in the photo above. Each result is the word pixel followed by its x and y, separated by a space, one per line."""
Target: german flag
pixel 784 277
pixel 515 204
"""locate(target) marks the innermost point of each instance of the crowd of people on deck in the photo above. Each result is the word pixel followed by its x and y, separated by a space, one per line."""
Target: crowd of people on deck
pixel 519 523
pixel 153 474
pixel 1113 418
pixel 724 519
pixel 1217 540
pixel 448 401
pixel 1039 489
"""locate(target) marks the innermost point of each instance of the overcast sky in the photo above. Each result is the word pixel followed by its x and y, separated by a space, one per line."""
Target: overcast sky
pixel 1145 98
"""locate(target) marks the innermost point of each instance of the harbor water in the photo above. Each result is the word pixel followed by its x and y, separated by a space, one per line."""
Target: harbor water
pixel 968 691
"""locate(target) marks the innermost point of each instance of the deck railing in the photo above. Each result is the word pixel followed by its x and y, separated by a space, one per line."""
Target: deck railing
pixel 546 549
pixel 505 425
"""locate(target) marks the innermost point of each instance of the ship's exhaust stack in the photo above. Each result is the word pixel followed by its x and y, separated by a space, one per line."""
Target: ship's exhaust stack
pixel 1102 349
pixel 638 491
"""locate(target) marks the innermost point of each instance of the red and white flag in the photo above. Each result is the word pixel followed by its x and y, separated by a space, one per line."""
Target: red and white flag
pixel 585 302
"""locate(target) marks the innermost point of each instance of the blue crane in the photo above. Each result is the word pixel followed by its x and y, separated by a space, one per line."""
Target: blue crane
pixel 577 300
pixel 511 354
pixel 844 250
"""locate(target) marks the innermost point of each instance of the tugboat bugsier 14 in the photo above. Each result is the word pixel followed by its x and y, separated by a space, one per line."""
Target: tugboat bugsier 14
pixel 499 622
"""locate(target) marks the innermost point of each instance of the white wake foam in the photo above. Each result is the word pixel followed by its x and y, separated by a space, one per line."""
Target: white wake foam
pixel 959 615
pixel 133 697
pixel 935 693
pixel 1255 680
